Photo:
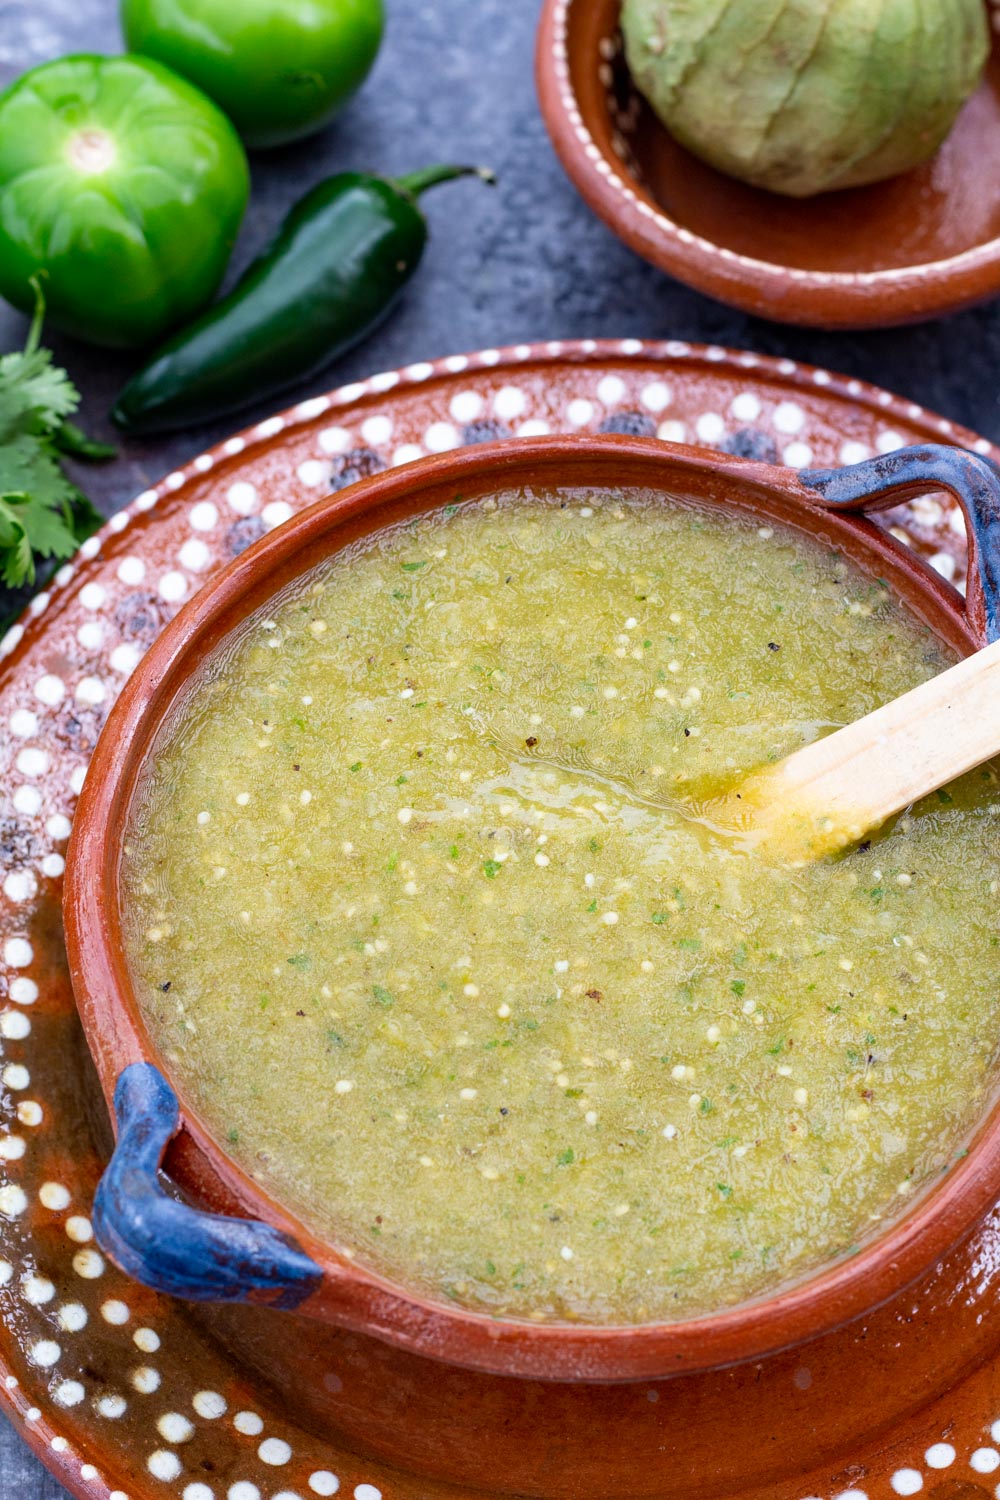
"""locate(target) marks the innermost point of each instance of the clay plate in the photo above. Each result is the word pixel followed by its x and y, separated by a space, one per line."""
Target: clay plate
pixel 112 1385
pixel 915 247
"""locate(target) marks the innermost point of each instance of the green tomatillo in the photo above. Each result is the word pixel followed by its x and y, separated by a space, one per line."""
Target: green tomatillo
pixel 279 68
pixel 122 188
pixel 804 96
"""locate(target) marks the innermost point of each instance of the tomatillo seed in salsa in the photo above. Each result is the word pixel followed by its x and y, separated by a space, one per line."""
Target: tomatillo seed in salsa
pixel 425 919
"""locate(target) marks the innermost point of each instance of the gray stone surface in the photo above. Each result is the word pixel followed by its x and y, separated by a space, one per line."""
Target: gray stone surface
pixel 525 262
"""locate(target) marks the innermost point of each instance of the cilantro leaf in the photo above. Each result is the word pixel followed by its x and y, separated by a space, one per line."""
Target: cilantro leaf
pixel 39 498
pixel 85 518
pixel 34 394
pixel 42 512
pixel 76 444
pixel 15 549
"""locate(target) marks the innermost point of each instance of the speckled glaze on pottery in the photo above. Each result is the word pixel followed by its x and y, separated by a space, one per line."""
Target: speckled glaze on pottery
pixel 146 1233
pixel 119 1389
pixel 920 245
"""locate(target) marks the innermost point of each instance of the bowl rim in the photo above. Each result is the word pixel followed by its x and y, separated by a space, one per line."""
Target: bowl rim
pixel 768 289
pixel 350 1295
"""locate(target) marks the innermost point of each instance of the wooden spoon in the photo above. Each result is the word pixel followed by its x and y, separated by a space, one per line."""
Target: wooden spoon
pixel 831 793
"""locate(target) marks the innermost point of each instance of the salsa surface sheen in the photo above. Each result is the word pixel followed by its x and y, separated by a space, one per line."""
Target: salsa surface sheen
pixel 424 917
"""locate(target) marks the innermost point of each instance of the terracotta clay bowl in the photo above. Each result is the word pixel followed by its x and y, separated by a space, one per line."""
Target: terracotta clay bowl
pixel 261 1253
pixel 914 247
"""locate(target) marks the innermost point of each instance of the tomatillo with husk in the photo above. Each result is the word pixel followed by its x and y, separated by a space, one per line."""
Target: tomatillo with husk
pixel 122 188
pixel 804 96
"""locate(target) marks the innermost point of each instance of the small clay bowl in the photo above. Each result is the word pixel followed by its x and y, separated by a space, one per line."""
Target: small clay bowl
pixel 914 247
pixel 264 1254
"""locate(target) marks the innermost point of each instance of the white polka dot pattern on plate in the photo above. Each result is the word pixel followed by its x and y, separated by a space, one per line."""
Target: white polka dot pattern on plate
pixel 194 555
pixel 655 396
pixel 324 1483
pixel 20 886
pixel 376 430
pixel 242 497
pixel 440 437
pixel 45 1353
pixel 91 635
pixel 32 761
pixel 788 417
pixel 334 440
pixel 125 658
pixel 164 1465
pixel 204 516
pixel 27 800
pixel 274 1451
pixel 50 689
pixel 172 587
pixel 92 596
pixel 710 427
pixel 530 409
pixel 276 513
pixel 406 453
pixel 90 690
pixel 611 390
pixel 23 723
pixel 313 473
pixel 248 1422
pixel 131 570
pixel 54 1196
pixel 466 406
pixel 17 953
pixel 175 1428
pixel 798 455
pixel 88 1264
pixel 209 1404
pixel 509 402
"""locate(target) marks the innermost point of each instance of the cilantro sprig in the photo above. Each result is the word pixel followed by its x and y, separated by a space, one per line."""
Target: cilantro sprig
pixel 43 514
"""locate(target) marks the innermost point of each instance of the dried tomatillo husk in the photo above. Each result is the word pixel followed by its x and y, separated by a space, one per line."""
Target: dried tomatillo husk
pixel 803 96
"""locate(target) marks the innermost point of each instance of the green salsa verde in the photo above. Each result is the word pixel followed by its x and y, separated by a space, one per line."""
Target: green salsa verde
pixel 424 917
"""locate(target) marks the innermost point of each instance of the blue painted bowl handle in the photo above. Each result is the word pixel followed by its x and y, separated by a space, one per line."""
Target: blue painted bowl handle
pixel 169 1246
pixel 974 481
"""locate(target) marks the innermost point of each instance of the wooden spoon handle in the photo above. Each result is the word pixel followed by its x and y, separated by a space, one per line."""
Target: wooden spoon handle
pixel 832 792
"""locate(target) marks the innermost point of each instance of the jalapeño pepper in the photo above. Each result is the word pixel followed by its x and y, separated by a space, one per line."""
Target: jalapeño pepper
pixel 338 263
